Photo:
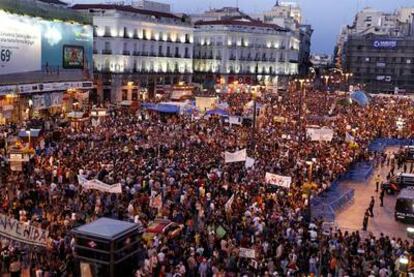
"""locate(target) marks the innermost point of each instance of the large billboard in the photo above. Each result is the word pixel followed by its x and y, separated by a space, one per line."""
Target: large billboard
pixel 30 44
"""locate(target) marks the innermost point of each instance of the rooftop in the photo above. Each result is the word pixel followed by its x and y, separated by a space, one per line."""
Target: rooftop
pixel 124 8
pixel 106 228
pixel 54 2
pixel 241 22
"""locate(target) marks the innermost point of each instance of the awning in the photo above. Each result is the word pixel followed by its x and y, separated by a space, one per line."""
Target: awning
pixel 217 112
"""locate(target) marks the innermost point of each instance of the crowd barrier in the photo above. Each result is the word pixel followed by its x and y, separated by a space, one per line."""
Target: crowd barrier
pixel 379 144
pixel 337 197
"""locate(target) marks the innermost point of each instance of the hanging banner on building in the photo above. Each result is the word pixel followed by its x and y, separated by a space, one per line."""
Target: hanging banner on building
pixel 238 156
pixel 277 180
pixel 22 232
pixel 322 134
pixel 30 44
pixel 20 45
pixel 99 185
pixel 39 102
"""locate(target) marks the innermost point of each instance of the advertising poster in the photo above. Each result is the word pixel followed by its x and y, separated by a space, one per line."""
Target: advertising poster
pixel 20 45
pixel 73 57
pixel 30 44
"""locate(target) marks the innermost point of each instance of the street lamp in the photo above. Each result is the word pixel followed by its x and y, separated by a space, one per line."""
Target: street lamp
pixel 301 101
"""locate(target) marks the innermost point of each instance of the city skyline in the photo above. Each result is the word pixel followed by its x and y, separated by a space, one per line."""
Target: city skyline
pixel 326 27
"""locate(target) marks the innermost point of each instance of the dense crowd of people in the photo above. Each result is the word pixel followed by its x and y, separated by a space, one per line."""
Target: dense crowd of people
pixel 182 160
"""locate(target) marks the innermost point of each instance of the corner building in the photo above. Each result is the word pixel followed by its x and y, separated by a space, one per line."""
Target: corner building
pixel 137 49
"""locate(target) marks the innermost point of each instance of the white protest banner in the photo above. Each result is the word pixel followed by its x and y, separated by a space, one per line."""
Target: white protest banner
pixel 101 186
pixel 277 180
pixel 247 253
pixel 82 180
pixel 25 233
pixel 235 120
pixel 228 204
pixel 238 156
pixel 322 134
pixel 249 162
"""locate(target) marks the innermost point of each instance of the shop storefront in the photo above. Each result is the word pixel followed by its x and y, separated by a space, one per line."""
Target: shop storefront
pixel 23 102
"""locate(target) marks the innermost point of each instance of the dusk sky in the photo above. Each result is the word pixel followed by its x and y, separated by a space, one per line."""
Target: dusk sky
pixel 325 16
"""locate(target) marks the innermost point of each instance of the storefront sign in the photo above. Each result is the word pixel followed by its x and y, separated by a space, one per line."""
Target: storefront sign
pixel 47 87
pixel 385 44
pixel 22 232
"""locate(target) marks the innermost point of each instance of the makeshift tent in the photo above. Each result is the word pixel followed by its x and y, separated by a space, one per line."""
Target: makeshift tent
pixel 75 115
pixel 218 112
pixel 34 133
pixel 360 98
pixel 162 108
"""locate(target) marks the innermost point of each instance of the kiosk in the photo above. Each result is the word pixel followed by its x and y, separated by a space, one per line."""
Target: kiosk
pixel 107 247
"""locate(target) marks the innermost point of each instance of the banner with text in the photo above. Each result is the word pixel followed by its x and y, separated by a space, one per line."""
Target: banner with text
pixel 25 233
pixel 277 180
pixel 238 156
pixel 98 185
pixel 322 134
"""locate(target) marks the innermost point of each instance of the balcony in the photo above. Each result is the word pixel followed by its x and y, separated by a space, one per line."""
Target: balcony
pixel 126 53
pixel 177 56
pixel 106 52
pixel 136 53
pixel 187 56
pixel 95 51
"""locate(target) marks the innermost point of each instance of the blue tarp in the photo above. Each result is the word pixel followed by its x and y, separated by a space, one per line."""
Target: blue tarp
pixel 360 97
pixel 217 112
pixel 34 133
pixel 162 108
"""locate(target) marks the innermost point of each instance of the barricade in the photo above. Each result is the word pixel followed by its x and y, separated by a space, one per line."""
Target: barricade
pixel 337 196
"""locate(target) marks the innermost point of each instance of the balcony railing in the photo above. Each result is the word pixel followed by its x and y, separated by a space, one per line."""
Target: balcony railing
pixel 106 52
pixel 126 53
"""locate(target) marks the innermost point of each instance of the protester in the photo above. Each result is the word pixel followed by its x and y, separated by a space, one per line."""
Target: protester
pixel 181 160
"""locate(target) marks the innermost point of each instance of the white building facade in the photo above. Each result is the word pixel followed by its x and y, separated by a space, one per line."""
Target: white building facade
pixel 136 49
pixel 244 50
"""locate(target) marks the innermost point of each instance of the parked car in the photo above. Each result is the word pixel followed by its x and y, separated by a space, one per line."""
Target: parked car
pixel 398 182
pixel 163 228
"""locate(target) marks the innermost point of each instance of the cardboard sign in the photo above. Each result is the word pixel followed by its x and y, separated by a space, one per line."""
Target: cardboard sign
pixel 247 253
pixel 238 156
pixel 277 180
